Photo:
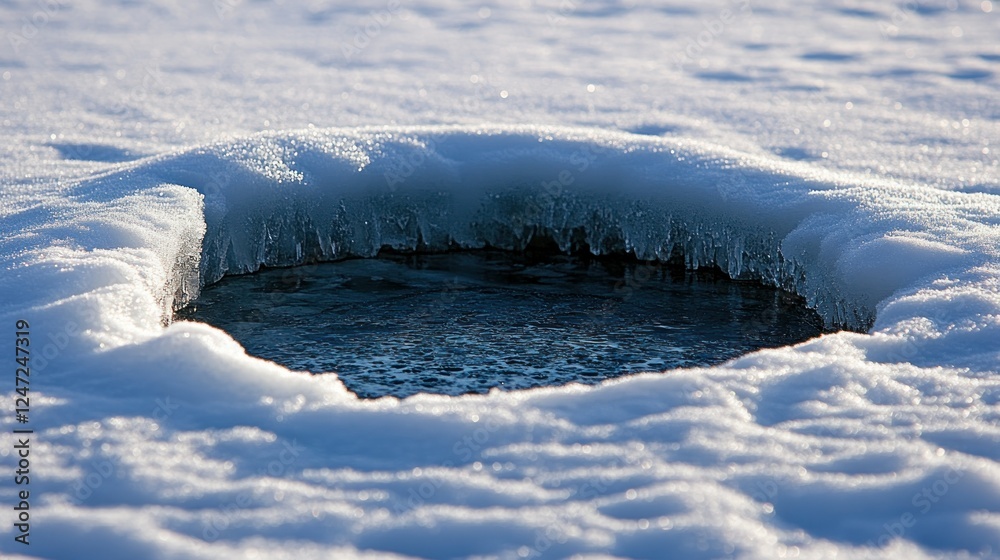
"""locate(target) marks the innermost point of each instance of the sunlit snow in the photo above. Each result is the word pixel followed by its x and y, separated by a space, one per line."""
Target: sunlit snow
pixel 843 150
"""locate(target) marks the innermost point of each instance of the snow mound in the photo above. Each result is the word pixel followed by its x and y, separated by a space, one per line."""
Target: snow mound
pixel 289 198
pixel 168 441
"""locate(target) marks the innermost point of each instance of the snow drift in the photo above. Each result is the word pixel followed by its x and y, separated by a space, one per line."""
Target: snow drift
pixel 857 445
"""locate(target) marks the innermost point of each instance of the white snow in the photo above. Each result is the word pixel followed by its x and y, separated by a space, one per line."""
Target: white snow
pixel 842 151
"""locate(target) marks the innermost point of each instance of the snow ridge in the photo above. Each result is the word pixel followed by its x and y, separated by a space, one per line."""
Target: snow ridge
pixel 281 199
pixel 170 442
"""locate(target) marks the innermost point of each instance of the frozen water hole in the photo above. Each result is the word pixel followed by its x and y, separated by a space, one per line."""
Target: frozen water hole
pixel 469 321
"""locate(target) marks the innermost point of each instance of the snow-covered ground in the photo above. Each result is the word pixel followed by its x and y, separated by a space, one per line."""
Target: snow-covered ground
pixel 845 150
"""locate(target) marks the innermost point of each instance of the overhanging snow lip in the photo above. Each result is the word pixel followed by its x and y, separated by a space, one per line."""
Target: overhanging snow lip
pixel 321 195
pixel 284 198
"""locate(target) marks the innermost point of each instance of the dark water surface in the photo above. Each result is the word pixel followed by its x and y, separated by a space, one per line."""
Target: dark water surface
pixel 469 321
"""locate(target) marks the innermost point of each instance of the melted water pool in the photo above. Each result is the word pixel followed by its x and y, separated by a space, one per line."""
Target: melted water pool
pixel 470 321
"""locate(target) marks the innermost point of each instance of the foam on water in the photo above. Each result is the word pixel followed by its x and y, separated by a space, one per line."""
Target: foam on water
pixel 468 322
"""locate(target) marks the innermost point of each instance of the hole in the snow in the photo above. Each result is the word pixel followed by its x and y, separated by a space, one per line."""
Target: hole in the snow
pixel 466 322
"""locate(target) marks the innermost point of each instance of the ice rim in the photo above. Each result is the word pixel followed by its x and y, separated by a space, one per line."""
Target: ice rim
pixel 101 262
pixel 291 198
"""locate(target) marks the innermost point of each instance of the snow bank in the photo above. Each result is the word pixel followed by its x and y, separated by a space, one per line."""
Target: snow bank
pixel 852 129
pixel 169 442
pixel 283 199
